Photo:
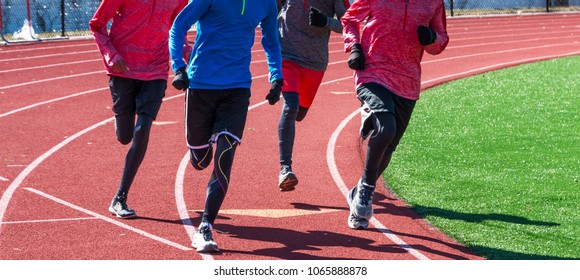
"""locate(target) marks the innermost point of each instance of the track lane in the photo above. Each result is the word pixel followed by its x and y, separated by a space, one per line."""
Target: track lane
pixel 251 237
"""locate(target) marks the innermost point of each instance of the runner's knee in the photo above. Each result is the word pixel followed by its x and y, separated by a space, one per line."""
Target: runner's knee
pixel 124 125
pixel 290 101
pixel 385 132
pixel 200 157
pixel 302 111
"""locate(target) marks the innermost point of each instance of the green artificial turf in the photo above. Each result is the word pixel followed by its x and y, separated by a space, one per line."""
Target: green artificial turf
pixel 493 160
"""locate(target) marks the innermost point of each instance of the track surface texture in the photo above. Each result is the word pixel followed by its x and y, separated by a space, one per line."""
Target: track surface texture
pixel 61 164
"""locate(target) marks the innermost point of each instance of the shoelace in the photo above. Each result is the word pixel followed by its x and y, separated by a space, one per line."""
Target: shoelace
pixel 365 195
pixel 123 205
pixel 126 207
pixel 286 169
pixel 206 233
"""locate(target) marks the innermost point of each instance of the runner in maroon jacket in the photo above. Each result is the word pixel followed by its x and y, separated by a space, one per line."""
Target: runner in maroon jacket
pixel 387 58
pixel 136 57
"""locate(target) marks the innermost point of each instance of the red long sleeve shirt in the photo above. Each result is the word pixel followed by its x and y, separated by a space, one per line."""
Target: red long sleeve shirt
pixel 139 35
pixel 390 43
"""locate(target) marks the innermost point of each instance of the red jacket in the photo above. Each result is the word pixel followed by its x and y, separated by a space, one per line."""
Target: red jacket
pixel 139 34
pixel 390 43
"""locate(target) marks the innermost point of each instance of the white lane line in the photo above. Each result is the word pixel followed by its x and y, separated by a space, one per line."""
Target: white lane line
pixel 181 205
pixel 539 39
pixel 109 220
pixel 49 220
pixel 49 65
pixel 50 101
pixel 20 178
pixel 47 55
pixel 53 79
pixel 78 94
pixel 331 162
pixel 499 52
pixel 4 179
pixel 38 48
pixel 498 66
pixel 91 73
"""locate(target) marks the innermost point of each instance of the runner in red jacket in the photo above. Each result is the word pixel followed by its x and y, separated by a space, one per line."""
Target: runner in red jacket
pixel 136 57
pixel 387 58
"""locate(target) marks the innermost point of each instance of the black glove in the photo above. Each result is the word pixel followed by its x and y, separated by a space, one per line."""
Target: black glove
pixel 180 81
pixel 426 35
pixel 356 60
pixel 275 90
pixel 317 18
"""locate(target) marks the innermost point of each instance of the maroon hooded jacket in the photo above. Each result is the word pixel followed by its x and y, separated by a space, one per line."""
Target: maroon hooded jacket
pixel 390 43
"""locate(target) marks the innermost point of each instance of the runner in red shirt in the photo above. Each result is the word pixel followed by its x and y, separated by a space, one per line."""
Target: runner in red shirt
pixel 386 57
pixel 136 57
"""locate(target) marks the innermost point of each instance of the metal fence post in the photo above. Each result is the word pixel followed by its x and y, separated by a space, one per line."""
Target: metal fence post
pixel 1 20
pixel 62 19
pixel 451 6
pixel 2 24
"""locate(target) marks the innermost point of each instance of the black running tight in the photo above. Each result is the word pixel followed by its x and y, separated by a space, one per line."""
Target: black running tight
pixel 380 148
pixel 138 132
pixel 220 178
pixel 287 127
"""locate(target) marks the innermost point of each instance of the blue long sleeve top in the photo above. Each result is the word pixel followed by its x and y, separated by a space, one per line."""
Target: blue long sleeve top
pixel 225 35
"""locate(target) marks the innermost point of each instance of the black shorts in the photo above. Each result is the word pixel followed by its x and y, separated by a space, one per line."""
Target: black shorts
pixel 211 112
pixel 132 96
pixel 374 99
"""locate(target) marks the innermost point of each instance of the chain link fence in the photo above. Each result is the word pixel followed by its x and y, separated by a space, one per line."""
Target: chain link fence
pixel 499 7
pixel 29 20
pixel 34 20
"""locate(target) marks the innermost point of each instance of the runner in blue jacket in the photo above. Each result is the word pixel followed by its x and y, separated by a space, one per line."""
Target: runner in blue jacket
pixel 217 81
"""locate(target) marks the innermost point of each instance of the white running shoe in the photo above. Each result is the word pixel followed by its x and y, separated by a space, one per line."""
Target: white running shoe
pixel 203 240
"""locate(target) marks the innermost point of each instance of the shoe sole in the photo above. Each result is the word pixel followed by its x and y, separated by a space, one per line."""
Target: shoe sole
pixel 350 197
pixel 208 248
pixel 288 184
pixel 357 225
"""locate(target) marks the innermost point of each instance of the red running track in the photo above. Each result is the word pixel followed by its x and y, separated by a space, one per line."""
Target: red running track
pixel 60 161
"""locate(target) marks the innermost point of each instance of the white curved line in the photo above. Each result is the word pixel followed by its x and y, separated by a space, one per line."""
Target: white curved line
pixel 53 79
pixel 499 65
pixel 49 101
pixel 36 67
pixel 20 178
pixel 181 205
pixel 7 195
